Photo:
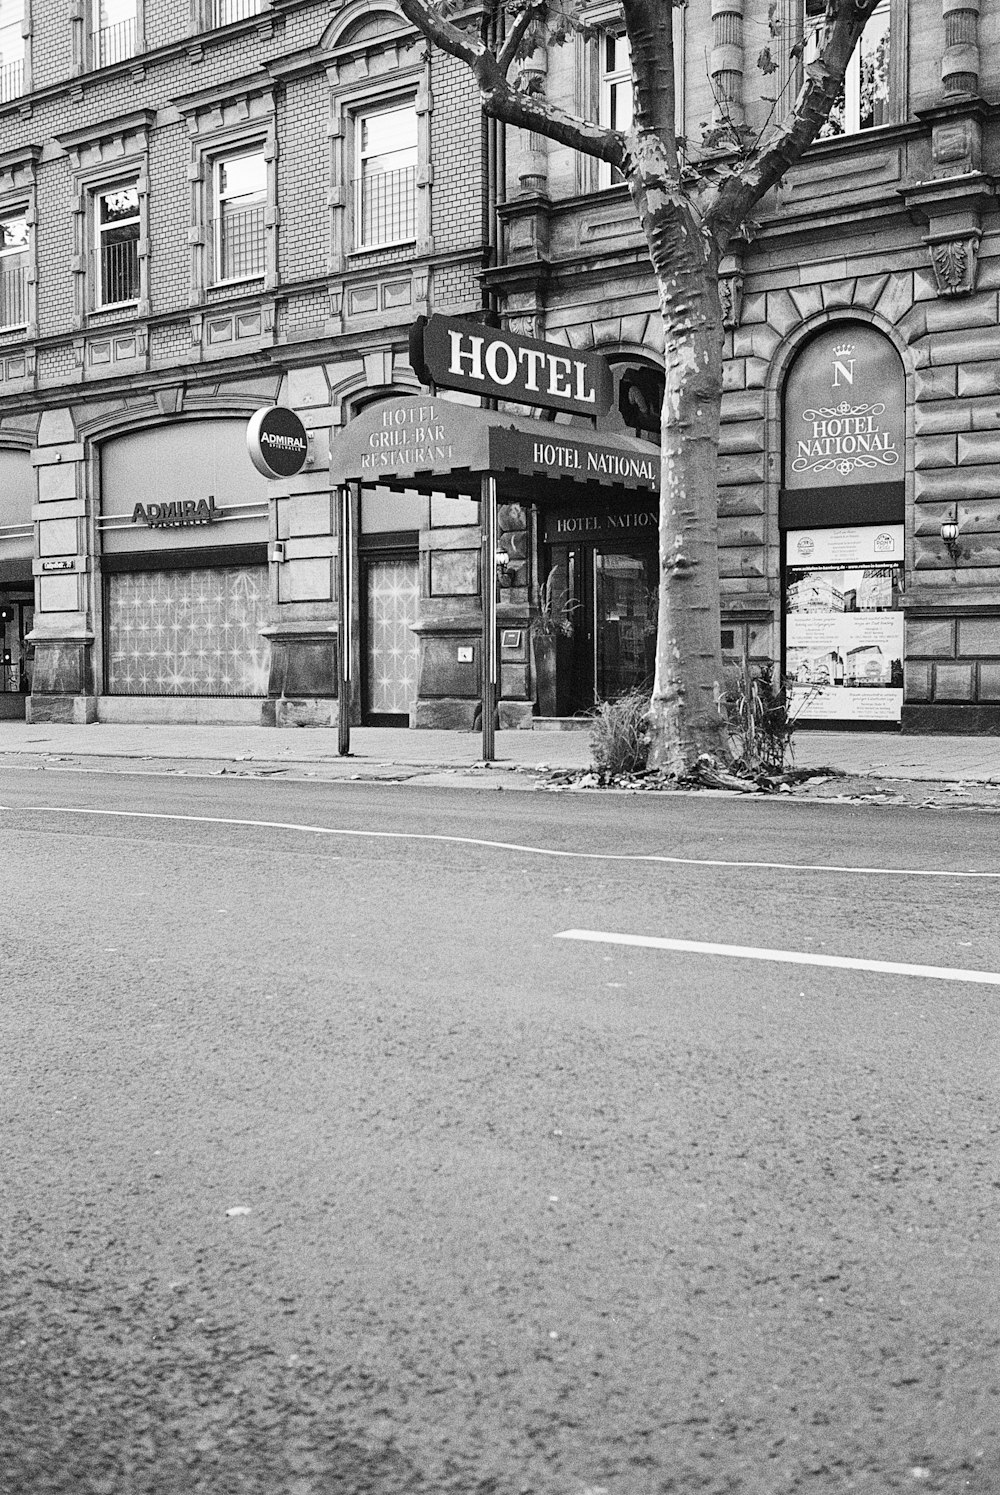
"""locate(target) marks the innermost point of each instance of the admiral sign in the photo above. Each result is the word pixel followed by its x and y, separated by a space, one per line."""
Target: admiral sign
pixel 277 442
pixel 190 511
pixel 457 354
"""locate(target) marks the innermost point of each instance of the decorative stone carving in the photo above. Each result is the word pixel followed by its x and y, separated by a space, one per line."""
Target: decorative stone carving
pixel 731 298
pixel 954 264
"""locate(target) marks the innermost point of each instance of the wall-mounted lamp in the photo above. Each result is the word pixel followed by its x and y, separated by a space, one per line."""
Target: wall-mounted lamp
pixel 949 534
pixel 503 563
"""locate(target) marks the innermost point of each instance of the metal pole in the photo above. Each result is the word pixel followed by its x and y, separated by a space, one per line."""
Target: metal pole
pixel 345 589
pixel 488 517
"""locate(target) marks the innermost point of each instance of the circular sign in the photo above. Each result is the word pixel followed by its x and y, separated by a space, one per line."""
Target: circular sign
pixel 277 442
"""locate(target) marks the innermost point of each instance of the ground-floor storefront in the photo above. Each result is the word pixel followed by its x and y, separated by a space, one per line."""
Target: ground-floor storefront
pixel 148 573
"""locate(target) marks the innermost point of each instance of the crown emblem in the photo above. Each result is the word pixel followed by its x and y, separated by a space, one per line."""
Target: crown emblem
pixel 844 351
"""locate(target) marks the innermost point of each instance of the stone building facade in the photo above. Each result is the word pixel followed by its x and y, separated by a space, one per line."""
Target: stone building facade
pixel 209 207
pixel 883 242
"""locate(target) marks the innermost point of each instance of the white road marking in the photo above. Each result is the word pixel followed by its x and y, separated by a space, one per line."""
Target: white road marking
pixel 789 957
pixel 655 858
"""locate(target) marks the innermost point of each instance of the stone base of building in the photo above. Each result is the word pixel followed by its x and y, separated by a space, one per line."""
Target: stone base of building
pixel 449 714
pixel 61 710
pixel 309 712
pixel 515 714
pixel 12 707
pixel 956 721
pixel 202 711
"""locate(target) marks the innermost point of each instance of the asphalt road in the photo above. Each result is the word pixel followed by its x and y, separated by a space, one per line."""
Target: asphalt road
pixel 328 1167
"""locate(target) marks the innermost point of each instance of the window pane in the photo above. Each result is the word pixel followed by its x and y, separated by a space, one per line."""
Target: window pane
pixel 112 12
pixel 11 49
pixel 13 235
pixel 243 176
pixel 874 69
pixel 389 133
pixel 120 205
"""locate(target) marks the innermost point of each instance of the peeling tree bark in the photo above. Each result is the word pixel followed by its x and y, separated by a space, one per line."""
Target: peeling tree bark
pixel 685 715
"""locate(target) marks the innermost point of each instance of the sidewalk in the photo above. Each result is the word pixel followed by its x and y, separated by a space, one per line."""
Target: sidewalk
pixel 377 751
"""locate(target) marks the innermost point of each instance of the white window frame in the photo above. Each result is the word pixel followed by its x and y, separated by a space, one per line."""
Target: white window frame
pixel 595 82
pixel 15 213
pixel 106 45
pixel 611 85
pixel 361 245
pixel 851 117
pixel 102 232
pixel 218 197
pixel 14 81
pixel 219 13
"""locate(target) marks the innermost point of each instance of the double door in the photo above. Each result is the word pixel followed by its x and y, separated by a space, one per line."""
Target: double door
pixel 610 593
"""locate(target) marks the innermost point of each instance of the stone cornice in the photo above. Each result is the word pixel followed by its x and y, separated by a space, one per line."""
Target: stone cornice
pixel 139 121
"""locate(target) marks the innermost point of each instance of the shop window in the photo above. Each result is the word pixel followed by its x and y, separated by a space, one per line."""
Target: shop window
pixel 13 269
pixel 12 58
pixel 385 184
pixel 116 246
pixel 239 202
pixel 225 12
pixel 112 32
pixel 866 101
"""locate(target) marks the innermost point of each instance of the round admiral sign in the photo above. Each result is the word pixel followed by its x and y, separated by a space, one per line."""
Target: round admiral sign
pixel 277 442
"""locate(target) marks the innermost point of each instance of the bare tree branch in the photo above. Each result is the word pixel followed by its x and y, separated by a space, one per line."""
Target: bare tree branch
pixel 450 38
pixel 823 82
pixel 517 32
pixel 503 101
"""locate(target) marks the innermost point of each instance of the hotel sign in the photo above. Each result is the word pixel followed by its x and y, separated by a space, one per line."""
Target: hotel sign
pixel 411 437
pixel 844 411
pixel 456 354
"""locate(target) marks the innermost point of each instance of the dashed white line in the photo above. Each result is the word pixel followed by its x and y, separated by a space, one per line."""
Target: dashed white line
pixel 789 957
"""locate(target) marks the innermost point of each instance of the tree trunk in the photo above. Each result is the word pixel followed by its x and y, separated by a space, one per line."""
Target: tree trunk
pixel 686 717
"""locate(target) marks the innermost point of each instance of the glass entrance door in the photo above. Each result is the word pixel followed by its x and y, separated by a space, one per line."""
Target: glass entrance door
pixel 625 607
pixel 610 592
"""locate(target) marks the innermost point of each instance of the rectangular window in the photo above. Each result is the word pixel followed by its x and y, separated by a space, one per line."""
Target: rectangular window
pixel 864 103
pixel 385 187
pixel 13 270
pixel 615 99
pixel 11 49
pixel 112 31
pixel 225 12
pixel 240 197
pixel 116 232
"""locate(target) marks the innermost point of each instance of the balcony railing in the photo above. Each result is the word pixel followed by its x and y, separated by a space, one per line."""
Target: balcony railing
pixel 385 207
pixel 11 79
pixel 240 245
pixel 13 295
pixel 112 44
pixel 116 268
pixel 225 12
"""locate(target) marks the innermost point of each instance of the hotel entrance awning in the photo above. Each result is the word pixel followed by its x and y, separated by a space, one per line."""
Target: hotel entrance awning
pixel 433 445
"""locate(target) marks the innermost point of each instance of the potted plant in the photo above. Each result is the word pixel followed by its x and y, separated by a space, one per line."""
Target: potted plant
pixel 551 628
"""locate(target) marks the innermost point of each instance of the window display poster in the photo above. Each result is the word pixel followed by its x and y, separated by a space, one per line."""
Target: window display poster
pixel 855 544
pixel 844 626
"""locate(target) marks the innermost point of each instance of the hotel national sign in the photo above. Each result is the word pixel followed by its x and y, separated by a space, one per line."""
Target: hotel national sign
pixel 844 411
pixel 452 353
